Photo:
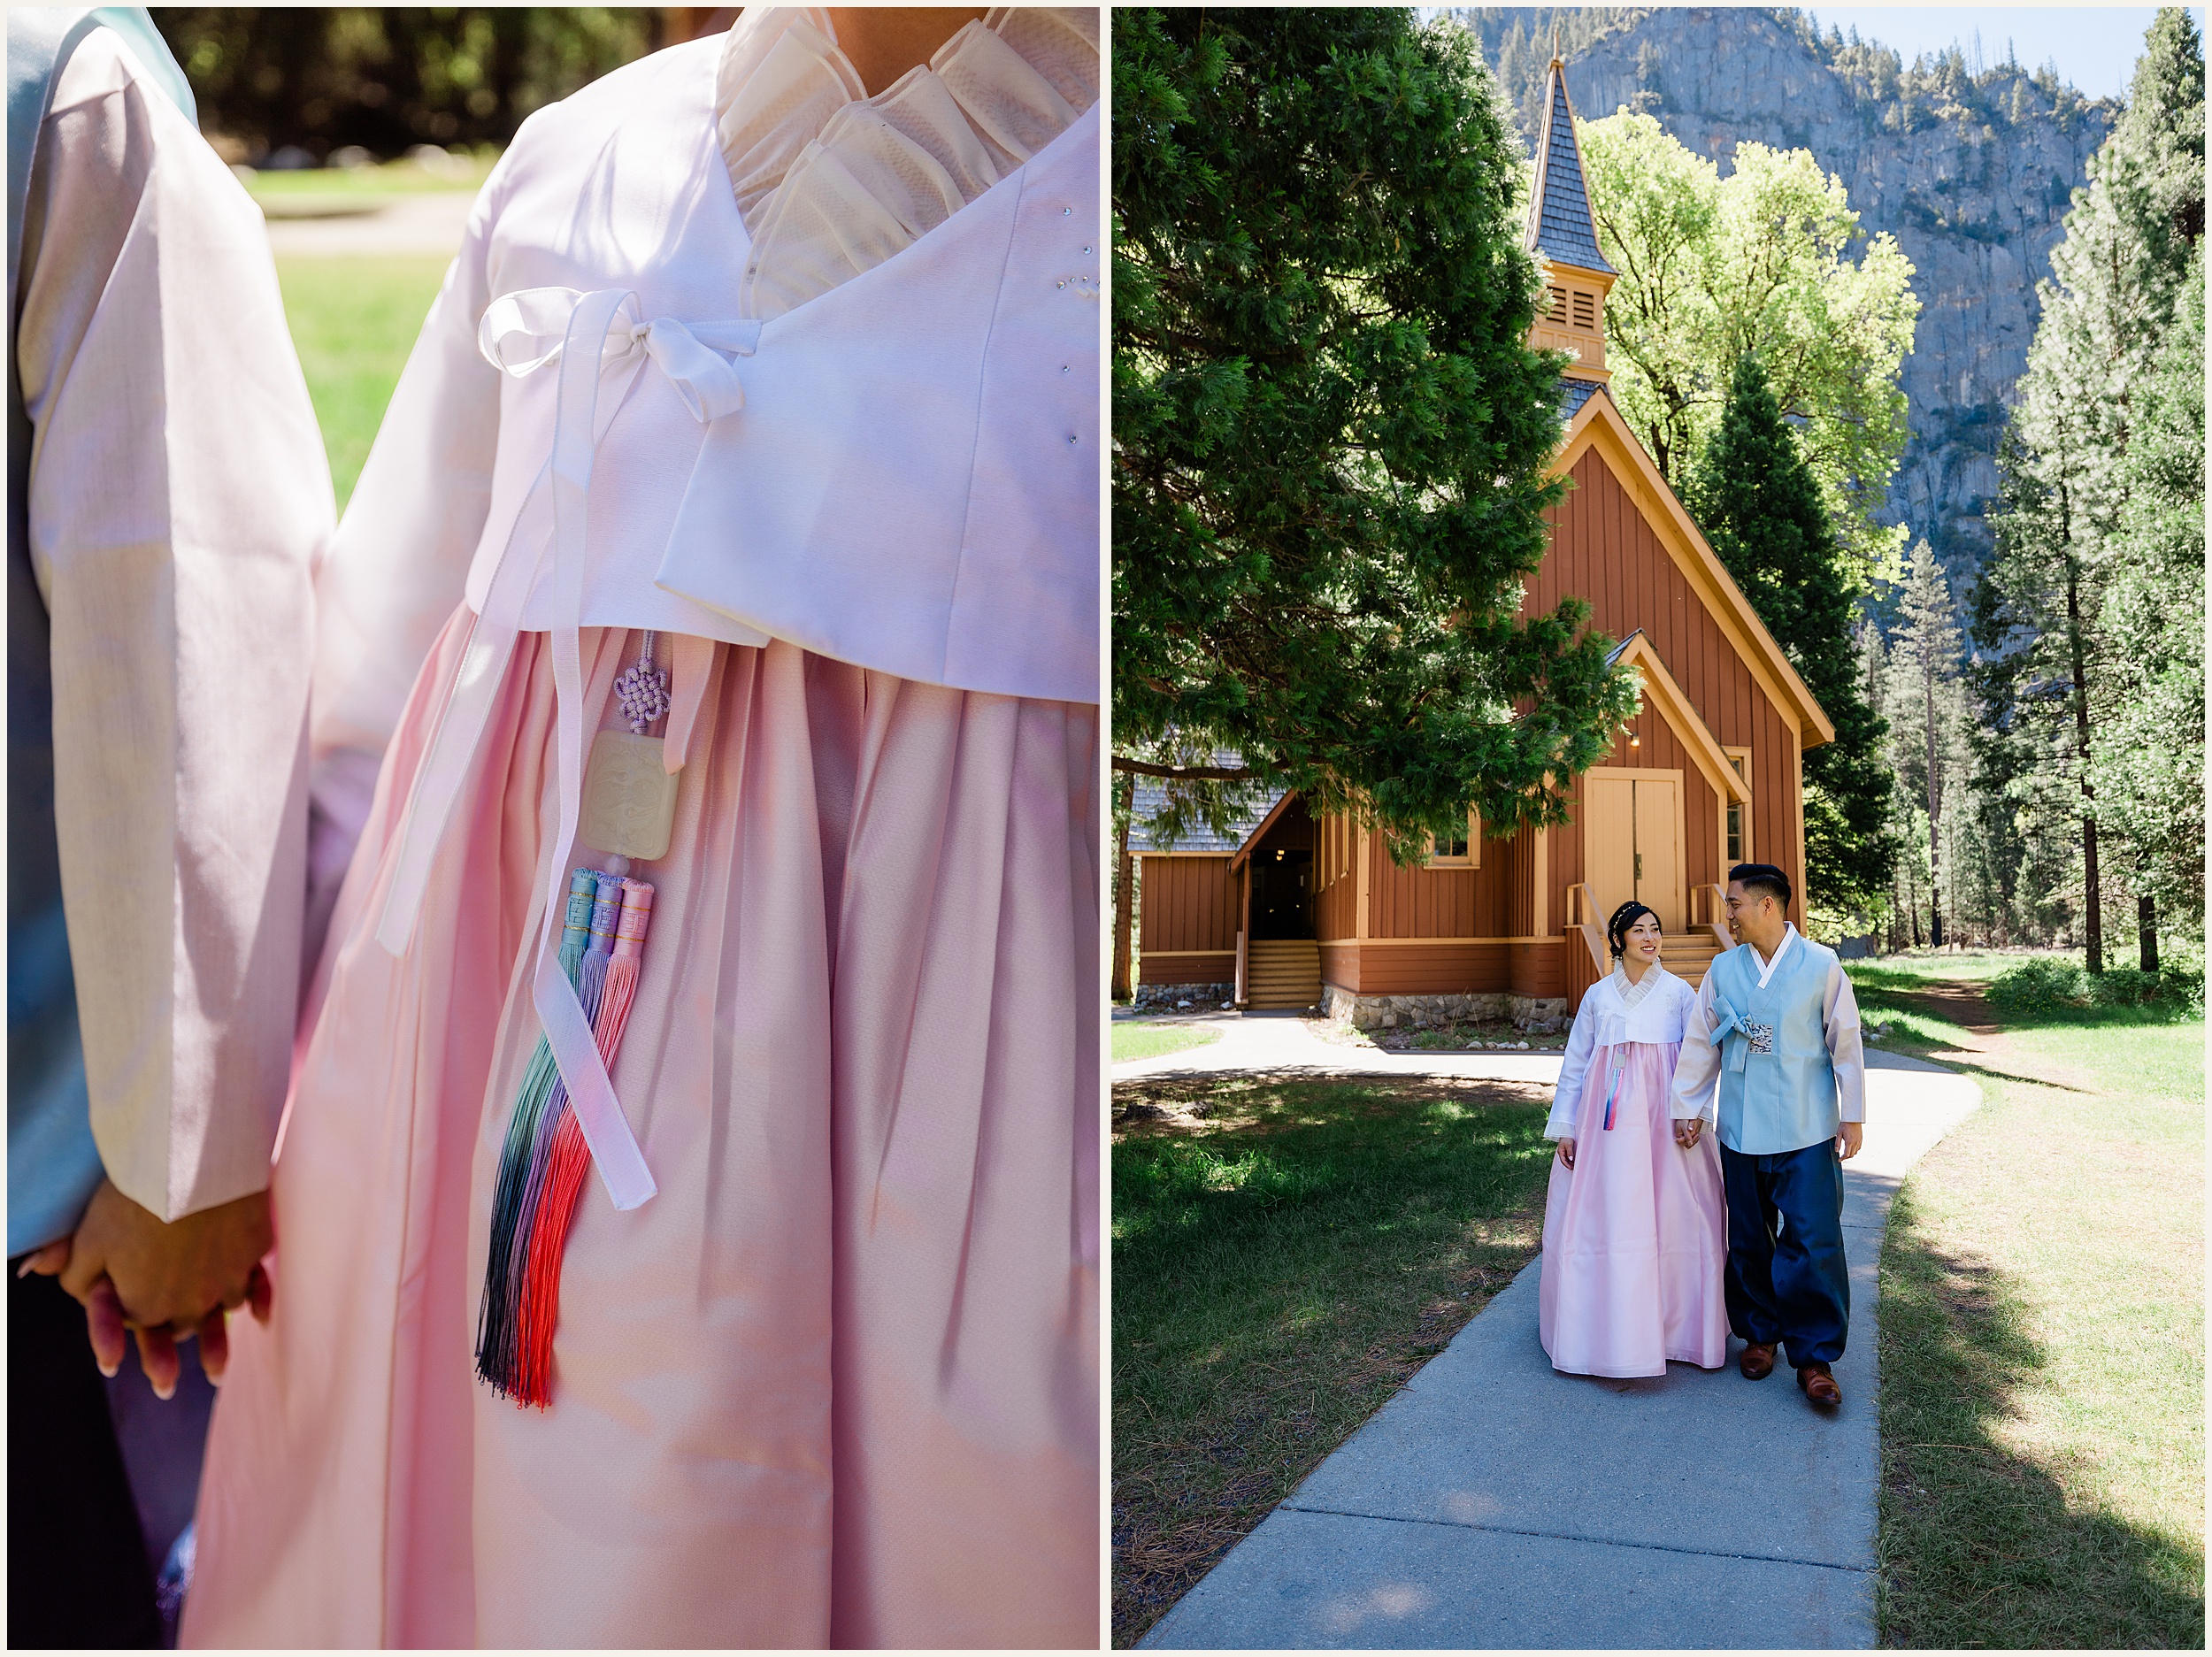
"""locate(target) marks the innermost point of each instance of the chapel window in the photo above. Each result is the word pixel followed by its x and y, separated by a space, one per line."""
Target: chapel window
pixel 1738 829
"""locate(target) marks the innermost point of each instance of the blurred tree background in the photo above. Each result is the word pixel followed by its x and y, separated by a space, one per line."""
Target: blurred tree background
pixel 315 80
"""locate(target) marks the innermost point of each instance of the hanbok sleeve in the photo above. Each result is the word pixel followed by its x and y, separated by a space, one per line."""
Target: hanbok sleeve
pixel 1566 1100
pixel 1698 1068
pixel 398 565
pixel 178 495
pixel 1847 1048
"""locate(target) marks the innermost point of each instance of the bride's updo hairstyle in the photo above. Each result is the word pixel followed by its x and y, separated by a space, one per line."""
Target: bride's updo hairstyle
pixel 1624 918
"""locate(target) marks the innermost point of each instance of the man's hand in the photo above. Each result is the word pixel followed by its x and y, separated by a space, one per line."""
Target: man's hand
pixel 167 1274
pixel 1686 1130
pixel 1847 1138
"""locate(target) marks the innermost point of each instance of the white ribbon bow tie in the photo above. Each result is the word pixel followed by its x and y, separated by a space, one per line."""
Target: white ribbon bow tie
pixel 525 331
pixel 520 334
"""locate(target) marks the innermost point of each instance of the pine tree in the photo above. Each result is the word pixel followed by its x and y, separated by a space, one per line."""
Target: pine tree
pixel 1929 705
pixel 2149 769
pixel 1759 505
pixel 2066 473
pixel 1330 441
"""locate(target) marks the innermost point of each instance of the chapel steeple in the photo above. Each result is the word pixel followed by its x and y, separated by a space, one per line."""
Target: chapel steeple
pixel 1562 235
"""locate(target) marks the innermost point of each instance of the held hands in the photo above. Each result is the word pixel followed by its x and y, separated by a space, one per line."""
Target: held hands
pixel 166 1281
pixel 1687 1131
pixel 1848 1139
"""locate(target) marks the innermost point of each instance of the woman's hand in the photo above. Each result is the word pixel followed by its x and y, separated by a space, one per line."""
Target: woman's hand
pixel 1686 1130
pixel 1566 1154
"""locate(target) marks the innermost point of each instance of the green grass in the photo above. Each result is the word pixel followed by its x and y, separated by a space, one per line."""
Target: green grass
pixel 1936 966
pixel 1149 1041
pixel 393 178
pixel 353 322
pixel 1286 1252
pixel 2042 1348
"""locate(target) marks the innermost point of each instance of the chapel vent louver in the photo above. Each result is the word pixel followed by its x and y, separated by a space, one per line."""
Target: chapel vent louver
pixel 1562 234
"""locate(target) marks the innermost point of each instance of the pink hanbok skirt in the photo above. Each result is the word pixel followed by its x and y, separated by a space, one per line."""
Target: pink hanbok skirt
pixel 1635 1237
pixel 837 1384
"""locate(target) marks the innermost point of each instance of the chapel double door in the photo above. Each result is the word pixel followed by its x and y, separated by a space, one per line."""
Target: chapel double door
pixel 1631 839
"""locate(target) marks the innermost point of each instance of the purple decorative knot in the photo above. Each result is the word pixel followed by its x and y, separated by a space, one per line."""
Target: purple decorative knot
pixel 642 690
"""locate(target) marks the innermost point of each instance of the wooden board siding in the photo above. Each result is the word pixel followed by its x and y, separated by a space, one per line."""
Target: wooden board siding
pixel 1540 968
pixel 1207 969
pixel 1514 860
pixel 1339 965
pixel 1419 968
pixel 1420 902
pixel 1336 879
pixel 1187 903
pixel 1605 551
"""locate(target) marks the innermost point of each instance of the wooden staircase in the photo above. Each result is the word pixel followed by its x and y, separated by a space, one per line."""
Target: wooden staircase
pixel 1687 954
pixel 1283 972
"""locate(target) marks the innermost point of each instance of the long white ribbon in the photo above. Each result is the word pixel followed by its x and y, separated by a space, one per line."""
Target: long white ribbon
pixel 589 335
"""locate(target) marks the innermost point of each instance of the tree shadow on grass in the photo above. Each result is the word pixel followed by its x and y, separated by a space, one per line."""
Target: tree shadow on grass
pixel 1979 1545
pixel 1287 1252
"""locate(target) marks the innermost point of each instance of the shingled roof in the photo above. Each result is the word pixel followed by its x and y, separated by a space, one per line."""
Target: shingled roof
pixel 1559 211
pixel 1573 394
pixel 1151 793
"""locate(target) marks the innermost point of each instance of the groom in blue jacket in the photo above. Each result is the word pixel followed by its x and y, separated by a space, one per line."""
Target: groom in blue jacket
pixel 1776 1024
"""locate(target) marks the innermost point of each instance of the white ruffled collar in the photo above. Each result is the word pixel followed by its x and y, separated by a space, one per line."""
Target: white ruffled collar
pixel 1633 993
pixel 831 182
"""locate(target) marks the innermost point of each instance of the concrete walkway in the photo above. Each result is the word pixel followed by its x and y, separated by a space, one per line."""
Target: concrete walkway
pixel 1494 1503
pixel 427 222
pixel 1285 1042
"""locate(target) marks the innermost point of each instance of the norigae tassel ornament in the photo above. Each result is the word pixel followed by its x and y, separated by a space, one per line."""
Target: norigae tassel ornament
pixel 628 810
pixel 494 1321
pixel 553 1211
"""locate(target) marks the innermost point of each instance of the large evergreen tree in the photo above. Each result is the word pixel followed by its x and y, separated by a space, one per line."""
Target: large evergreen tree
pixel 1928 706
pixel 1330 441
pixel 1759 505
pixel 2148 772
pixel 2068 472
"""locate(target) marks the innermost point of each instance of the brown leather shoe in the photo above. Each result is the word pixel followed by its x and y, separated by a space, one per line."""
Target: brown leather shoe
pixel 1817 1384
pixel 1757 1361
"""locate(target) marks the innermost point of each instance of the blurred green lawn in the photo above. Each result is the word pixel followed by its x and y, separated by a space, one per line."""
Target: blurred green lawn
pixel 353 321
pixel 393 178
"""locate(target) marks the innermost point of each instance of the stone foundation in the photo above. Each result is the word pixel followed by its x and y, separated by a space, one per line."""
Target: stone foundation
pixel 1191 998
pixel 1540 1015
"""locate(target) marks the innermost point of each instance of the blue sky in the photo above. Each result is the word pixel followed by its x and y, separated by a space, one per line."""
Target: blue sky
pixel 2094 47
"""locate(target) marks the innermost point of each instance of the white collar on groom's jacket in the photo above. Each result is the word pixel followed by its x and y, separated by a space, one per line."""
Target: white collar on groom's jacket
pixel 1766 967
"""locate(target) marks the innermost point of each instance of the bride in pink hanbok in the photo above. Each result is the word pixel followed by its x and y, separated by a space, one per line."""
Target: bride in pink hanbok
pixel 1635 1229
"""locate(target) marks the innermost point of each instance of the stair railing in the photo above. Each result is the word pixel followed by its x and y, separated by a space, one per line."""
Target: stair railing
pixel 1716 906
pixel 1582 903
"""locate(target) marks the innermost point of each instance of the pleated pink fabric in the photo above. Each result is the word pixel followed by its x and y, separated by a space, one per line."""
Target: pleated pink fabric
pixel 837 1382
pixel 1636 1236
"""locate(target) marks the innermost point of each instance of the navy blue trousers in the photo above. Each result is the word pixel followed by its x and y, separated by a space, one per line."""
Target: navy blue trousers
pixel 1787 1282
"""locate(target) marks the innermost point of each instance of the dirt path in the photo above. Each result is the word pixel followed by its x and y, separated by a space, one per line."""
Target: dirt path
pixel 1985 1046
pixel 1958 1003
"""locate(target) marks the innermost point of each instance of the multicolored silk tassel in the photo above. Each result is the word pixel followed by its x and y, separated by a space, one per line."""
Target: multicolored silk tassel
pixel 545 1160
pixel 494 1317
pixel 1613 1088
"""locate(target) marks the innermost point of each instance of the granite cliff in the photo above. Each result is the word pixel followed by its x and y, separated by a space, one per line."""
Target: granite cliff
pixel 1971 169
